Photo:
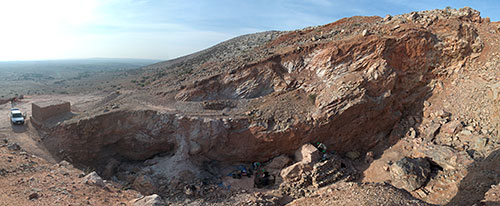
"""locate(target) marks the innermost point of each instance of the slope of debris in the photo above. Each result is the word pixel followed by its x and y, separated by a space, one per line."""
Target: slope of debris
pixel 29 180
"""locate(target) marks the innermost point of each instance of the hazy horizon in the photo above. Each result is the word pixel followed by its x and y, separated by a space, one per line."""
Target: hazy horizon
pixel 83 59
pixel 161 30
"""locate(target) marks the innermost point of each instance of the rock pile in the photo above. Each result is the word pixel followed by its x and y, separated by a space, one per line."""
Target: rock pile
pixel 309 171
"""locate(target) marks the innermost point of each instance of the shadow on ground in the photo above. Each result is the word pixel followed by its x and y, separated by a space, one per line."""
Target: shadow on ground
pixel 19 128
pixel 481 175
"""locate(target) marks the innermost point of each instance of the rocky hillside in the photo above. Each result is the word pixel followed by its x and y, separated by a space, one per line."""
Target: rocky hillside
pixel 411 100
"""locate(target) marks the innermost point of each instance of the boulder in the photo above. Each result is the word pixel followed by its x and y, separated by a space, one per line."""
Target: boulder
pixel 307 154
pixel 279 162
pixel 33 196
pixel 432 130
pixel 387 17
pixel 369 157
pixel 294 172
pixel 144 184
pixel 151 200
pixel 93 179
pixel 451 127
pixel 410 173
pixel 365 33
pixel 446 157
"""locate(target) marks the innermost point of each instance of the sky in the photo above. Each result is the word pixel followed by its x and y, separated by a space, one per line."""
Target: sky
pixel 166 29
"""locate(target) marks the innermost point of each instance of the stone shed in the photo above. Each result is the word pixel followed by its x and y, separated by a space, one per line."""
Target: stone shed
pixel 42 111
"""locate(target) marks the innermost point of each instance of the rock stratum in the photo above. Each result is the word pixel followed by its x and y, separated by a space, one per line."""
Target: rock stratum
pixel 425 83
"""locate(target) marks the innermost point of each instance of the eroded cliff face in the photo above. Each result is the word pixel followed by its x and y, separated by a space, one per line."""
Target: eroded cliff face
pixel 347 84
pixel 359 85
pixel 349 93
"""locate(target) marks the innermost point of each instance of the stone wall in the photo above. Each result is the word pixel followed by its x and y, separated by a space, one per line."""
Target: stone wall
pixel 42 111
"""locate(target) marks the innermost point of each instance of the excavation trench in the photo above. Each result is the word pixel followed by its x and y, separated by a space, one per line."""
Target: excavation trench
pixel 362 89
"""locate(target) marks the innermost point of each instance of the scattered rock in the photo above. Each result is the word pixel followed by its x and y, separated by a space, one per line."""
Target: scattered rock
pixel 3 171
pixel 427 104
pixel 369 157
pixel 492 196
pixel 33 196
pixel 412 133
pixel 151 200
pixel 365 32
pixel 14 147
pixel 409 173
pixel 93 179
pixel 189 190
pixel 414 16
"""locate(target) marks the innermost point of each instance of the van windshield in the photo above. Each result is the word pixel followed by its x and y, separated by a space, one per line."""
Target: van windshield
pixel 16 115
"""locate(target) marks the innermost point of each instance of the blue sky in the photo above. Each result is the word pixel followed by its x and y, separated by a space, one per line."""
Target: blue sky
pixel 61 29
